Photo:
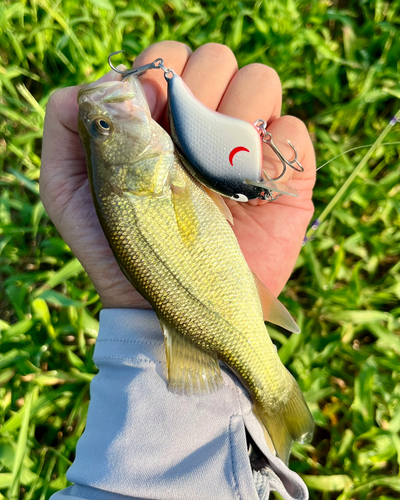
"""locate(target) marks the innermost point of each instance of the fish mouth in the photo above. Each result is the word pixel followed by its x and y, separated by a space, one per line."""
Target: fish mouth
pixel 115 99
pixel 106 92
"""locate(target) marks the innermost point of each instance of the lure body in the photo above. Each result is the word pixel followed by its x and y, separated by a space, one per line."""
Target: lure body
pixel 221 152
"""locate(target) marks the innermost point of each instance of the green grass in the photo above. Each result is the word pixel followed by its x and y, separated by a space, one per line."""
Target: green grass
pixel 339 64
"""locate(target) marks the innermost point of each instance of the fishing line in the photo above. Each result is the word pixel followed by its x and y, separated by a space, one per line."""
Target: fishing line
pixel 354 149
pixel 315 225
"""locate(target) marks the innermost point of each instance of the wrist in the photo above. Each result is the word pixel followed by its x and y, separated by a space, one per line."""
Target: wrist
pixel 135 301
pixel 121 296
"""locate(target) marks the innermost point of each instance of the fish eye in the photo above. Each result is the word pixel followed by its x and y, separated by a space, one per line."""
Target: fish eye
pixel 239 197
pixel 104 125
pixel 101 126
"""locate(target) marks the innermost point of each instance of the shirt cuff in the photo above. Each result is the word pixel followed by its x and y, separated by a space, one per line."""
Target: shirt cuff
pixel 142 441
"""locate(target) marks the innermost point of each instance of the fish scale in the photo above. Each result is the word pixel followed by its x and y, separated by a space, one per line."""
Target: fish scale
pixel 177 249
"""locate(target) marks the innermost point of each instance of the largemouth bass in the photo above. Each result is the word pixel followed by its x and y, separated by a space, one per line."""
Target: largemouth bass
pixel 174 244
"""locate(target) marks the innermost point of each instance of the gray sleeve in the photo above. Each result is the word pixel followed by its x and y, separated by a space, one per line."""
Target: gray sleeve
pixel 144 442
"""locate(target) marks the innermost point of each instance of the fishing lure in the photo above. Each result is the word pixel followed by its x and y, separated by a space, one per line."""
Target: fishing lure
pixel 221 152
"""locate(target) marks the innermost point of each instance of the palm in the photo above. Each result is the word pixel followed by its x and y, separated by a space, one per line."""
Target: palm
pixel 68 201
pixel 270 235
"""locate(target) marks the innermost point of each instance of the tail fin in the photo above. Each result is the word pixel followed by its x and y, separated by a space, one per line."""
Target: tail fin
pixel 293 422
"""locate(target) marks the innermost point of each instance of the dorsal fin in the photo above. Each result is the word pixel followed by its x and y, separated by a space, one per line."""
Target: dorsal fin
pixel 219 201
pixel 191 370
pixel 273 310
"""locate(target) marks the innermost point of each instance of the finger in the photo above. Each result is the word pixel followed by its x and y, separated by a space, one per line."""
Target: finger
pixel 282 130
pixel 209 71
pixel 255 92
pixel 175 56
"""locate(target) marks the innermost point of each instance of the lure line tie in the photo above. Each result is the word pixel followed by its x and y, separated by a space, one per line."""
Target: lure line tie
pixel 156 64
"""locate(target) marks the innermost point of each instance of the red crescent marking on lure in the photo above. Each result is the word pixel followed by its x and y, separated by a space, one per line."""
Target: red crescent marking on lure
pixel 234 151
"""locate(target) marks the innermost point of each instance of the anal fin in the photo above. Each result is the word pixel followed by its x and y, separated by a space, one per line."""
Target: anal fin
pixel 273 310
pixel 191 370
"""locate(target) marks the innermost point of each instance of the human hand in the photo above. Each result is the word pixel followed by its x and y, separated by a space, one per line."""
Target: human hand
pixel 270 234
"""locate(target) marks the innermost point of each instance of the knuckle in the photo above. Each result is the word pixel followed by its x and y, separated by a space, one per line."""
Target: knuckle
pixel 217 51
pixel 263 74
pixel 295 124
pixel 168 45
pixel 54 100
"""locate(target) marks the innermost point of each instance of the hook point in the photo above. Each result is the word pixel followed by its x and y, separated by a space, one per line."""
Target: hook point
pixel 111 64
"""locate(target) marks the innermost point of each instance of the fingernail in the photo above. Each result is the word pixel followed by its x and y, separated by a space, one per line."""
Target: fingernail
pixel 151 98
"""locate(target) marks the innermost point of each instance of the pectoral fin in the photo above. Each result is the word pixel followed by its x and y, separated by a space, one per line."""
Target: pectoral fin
pixel 273 310
pixel 219 201
pixel 185 213
pixel 191 370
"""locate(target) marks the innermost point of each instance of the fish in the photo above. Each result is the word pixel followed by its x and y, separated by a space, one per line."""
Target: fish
pixel 173 241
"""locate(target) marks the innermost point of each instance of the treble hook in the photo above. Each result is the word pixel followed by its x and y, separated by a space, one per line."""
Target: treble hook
pixel 261 126
pixel 158 63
